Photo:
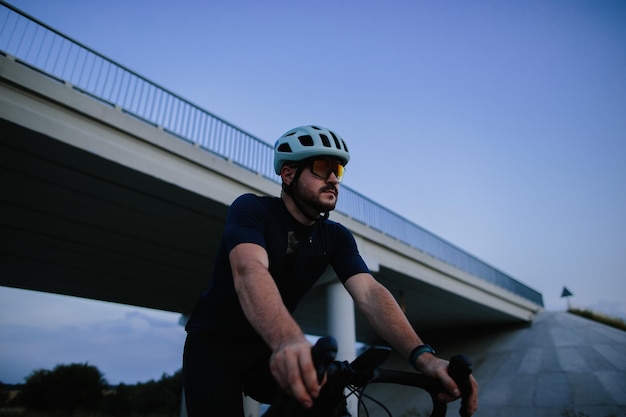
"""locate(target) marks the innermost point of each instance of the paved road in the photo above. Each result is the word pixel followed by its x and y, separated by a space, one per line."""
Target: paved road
pixel 560 366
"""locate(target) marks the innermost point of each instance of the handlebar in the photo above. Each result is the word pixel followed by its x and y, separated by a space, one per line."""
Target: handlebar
pixel 365 369
pixel 460 369
pixel 323 353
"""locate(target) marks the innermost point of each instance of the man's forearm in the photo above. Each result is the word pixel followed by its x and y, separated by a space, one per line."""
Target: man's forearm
pixel 259 297
pixel 264 309
pixel 390 322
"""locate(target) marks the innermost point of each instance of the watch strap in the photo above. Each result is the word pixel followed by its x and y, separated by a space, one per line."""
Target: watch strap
pixel 415 353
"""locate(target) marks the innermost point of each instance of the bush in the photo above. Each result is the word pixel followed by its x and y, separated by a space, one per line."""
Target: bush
pixel 117 401
pixel 158 397
pixel 616 322
pixel 80 387
pixel 66 388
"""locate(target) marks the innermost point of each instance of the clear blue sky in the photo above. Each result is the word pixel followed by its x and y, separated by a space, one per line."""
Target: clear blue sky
pixel 498 125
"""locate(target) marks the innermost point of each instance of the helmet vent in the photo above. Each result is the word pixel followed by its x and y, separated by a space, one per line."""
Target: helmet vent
pixel 306 140
pixel 345 146
pixel 337 145
pixel 325 140
pixel 284 147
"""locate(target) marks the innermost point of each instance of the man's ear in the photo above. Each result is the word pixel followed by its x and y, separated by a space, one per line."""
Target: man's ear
pixel 287 174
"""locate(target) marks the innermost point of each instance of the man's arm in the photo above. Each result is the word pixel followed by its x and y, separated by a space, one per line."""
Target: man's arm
pixel 383 312
pixel 389 321
pixel 291 362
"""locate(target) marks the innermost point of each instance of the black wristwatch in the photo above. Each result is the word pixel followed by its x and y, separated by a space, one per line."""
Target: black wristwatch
pixel 415 353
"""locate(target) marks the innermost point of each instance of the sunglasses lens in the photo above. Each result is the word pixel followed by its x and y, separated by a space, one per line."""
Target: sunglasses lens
pixel 324 167
pixel 340 171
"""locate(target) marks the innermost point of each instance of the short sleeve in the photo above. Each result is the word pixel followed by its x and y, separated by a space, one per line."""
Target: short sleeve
pixel 346 260
pixel 244 222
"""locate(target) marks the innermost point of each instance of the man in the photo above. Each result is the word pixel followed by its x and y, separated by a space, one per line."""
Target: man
pixel 241 337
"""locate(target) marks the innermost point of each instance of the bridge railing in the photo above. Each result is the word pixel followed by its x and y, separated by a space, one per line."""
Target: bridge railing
pixel 56 55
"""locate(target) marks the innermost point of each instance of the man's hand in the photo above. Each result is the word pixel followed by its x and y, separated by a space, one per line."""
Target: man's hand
pixel 435 367
pixel 292 367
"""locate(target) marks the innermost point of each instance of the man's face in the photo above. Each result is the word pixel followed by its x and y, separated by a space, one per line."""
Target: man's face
pixel 318 186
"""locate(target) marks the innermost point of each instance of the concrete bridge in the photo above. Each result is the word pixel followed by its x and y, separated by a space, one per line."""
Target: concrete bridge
pixel 99 204
pixel 115 189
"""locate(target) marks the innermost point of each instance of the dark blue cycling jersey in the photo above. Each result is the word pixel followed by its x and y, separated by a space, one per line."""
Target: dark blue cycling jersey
pixel 298 256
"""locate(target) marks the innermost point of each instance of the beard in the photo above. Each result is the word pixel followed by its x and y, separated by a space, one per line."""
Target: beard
pixel 314 201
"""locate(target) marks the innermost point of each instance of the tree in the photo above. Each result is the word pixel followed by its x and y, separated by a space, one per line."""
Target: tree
pixel 65 388
pixel 4 394
pixel 117 402
pixel 158 397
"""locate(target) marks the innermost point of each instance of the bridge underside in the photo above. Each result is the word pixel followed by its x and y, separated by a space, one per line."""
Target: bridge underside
pixel 77 224
pixel 429 309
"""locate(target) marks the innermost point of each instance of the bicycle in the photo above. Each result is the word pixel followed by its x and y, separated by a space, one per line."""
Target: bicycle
pixel 354 377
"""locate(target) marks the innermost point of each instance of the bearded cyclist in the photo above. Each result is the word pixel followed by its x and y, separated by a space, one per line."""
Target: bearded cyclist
pixel 241 336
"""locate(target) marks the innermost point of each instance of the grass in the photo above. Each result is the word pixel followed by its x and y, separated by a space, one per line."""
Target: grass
pixel 616 322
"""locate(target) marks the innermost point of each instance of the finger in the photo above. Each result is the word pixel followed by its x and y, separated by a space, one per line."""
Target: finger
pixel 294 379
pixel 309 374
pixel 446 397
pixel 279 370
pixel 471 404
pixel 472 401
pixel 452 390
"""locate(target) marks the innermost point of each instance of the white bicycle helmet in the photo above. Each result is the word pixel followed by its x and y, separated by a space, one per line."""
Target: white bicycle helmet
pixel 306 142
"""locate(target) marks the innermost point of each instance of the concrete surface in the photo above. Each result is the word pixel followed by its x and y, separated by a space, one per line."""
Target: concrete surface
pixel 560 366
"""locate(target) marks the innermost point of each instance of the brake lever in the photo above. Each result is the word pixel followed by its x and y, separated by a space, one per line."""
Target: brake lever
pixel 459 369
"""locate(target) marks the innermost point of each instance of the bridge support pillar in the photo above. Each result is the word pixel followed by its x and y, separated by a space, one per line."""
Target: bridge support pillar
pixel 342 326
pixel 341 323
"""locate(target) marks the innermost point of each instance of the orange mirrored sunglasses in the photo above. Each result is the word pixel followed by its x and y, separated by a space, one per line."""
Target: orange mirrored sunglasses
pixel 322 168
